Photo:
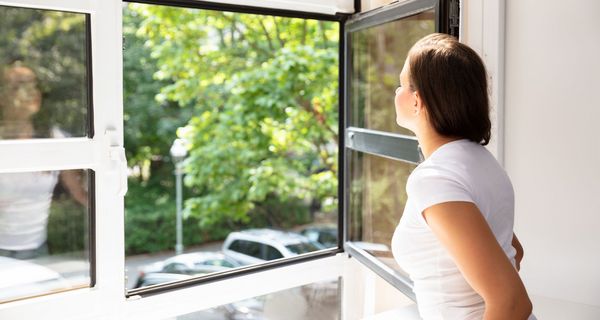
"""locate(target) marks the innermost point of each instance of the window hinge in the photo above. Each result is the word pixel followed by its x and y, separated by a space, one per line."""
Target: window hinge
pixel 454 18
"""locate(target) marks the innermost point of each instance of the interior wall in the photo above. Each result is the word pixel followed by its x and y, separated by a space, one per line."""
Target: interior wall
pixel 552 150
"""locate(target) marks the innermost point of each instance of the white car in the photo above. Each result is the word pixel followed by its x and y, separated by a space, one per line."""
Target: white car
pixel 259 245
pixel 188 264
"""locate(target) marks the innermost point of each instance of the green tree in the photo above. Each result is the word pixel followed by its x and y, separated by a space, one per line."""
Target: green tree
pixel 263 91
pixel 53 45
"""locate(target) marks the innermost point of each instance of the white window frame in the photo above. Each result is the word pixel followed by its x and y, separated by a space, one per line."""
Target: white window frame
pixel 104 154
pixel 330 7
pixel 482 28
pixel 84 153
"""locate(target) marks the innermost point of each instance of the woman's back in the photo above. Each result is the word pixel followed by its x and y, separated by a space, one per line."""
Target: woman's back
pixel 460 170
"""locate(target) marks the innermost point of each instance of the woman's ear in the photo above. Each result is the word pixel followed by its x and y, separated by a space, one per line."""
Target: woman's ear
pixel 418 103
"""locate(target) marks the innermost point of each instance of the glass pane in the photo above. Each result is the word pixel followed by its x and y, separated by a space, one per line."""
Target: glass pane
pixel 43 74
pixel 44 232
pixel 253 100
pixel 378 54
pixel 314 301
pixel 377 200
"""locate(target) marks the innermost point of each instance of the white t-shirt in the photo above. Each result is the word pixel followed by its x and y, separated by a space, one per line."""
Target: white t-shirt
pixel 25 199
pixel 457 171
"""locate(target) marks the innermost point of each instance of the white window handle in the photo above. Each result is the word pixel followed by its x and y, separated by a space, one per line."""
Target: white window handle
pixel 118 154
pixel 118 158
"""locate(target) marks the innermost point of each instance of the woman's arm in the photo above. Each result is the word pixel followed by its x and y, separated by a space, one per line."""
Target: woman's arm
pixel 72 181
pixel 519 255
pixel 462 230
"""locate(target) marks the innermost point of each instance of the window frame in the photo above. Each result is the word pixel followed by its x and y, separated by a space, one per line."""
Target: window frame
pixel 325 253
pixel 104 154
pixel 92 152
pixel 61 154
pixel 379 143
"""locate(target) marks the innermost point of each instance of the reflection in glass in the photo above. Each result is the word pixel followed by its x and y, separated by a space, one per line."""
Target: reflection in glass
pixel 43 74
pixel 44 232
pixel 377 200
pixel 254 100
pixel 378 55
pixel 314 301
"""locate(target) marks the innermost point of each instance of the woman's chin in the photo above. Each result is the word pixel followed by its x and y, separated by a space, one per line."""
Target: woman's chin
pixel 401 123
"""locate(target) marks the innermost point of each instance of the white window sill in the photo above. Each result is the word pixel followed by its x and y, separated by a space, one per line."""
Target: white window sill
pixel 544 308
pixel 409 312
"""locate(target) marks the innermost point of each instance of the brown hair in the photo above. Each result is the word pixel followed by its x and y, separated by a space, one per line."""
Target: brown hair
pixel 452 82
pixel 17 75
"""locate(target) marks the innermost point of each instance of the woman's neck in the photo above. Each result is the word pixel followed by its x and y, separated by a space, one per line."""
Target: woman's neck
pixel 429 141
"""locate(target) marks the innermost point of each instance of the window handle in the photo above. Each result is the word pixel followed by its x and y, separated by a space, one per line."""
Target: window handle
pixel 118 160
pixel 117 154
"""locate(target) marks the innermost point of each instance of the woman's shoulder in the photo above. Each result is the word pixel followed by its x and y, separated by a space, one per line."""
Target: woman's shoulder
pixel 429 175
pixel 461 157
pixel 458 150
pixel 447 160
pixel 454 163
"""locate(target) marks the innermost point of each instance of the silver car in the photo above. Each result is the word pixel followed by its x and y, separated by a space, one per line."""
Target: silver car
pixel 259 245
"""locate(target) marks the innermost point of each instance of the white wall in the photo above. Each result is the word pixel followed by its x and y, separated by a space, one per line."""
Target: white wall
pixel 552 145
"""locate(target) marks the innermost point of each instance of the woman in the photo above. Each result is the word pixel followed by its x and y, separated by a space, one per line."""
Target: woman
pixel 25 197
pixel 455 238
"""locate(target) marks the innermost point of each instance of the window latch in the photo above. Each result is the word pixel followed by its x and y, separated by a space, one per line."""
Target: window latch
pixel 118 160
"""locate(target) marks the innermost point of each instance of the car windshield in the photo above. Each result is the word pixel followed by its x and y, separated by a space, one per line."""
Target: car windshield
pixel 303 247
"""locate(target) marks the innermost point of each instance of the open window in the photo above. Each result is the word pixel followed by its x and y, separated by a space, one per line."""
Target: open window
pixel 379 155
pixel 306 110
pixel 46 199
pixel 252 99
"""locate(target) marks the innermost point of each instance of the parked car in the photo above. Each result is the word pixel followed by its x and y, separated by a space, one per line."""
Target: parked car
pixel 325 234
pixel 259 245
pixel 189 264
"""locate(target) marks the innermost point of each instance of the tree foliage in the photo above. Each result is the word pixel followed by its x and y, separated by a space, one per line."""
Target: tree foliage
pixel 53 45
pixel 255 96
pixel 262 92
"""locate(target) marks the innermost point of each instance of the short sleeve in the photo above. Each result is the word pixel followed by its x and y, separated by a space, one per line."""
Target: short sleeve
pixel 430 186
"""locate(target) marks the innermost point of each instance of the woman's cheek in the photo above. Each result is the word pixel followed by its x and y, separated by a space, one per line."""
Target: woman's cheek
pixel 399 111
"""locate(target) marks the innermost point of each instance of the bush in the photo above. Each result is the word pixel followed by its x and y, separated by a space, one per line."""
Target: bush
pixel 67 226
pixel 150 216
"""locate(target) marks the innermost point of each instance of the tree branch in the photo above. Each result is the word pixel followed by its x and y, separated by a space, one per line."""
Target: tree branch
pixel 242 36
pixel 281 42
pixel 269 41
pixel 222 37
pixel 320 117
pixel 304 30
pixel 323 35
